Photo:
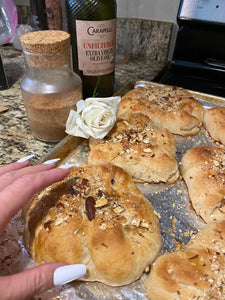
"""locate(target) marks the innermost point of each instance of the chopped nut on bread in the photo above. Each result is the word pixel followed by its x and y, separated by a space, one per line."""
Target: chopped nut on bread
pixel 203 170
pixel 214 122
pixel 136 145
pixel 169 107
pixel 196 272
pixel 88 218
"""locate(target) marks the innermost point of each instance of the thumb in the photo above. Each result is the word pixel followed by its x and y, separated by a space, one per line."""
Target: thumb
pixel 24 285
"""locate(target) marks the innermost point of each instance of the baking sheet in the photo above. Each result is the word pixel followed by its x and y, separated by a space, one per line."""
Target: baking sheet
pixel 178 221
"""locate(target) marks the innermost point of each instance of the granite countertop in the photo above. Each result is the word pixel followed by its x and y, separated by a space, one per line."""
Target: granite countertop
pixel 16 138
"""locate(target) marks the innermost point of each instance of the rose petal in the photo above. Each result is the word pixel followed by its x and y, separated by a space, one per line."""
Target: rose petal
pixel 112 102
pixel 80 105
pixel 72 128
pixel 98 117
pixel 94 117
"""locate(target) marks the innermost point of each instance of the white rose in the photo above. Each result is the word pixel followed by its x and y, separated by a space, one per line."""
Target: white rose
pixel 94 117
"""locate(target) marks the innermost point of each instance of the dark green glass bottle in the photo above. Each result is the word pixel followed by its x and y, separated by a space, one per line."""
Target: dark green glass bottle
pixel 92 26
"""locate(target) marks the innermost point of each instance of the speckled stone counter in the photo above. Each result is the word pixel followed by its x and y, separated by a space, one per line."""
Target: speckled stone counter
pixel 149 43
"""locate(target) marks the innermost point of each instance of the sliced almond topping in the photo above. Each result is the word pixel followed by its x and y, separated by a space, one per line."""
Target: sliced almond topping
pixel 125 122
pixel 119 136
pixel 157 214
pixel 58 221
pixel 136 222
pixel 147 150
pixel 144 224
pixel 101 202
pixel 146 141
pixel 216 163
pixel 118 210
pixel 103 226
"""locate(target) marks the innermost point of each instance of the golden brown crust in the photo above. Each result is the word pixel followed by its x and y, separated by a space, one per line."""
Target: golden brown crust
pixel 168 107
pixel 214 122
pixel 98 217
pixel 138 147
pixel 203 169
pixel 196 272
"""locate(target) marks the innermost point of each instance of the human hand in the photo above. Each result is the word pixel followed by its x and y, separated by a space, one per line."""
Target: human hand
pixel 18 183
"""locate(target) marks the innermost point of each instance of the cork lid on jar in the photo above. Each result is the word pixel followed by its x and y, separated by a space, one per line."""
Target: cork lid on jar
pixel 45 41
pixel 46 48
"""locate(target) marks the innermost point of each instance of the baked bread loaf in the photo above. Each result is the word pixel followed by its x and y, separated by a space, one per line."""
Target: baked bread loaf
pixel 98 217
pixel 203 170
pixel 196 272
pixel 214 122
pixel 168 107
pixel 135 145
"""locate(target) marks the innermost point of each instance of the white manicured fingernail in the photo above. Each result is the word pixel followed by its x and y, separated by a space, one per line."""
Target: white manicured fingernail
pixel 25 158
pixel 68 273
pixel 67 166
pixel 51 161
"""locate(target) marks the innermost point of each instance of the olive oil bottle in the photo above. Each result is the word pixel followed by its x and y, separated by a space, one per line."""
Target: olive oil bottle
pixel 92 26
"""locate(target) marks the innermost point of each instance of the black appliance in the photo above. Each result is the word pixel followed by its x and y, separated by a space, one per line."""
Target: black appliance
pixel 198 58
pixel 3 79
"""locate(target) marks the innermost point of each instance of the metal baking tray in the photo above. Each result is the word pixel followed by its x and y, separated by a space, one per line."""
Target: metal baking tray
pixel 178 221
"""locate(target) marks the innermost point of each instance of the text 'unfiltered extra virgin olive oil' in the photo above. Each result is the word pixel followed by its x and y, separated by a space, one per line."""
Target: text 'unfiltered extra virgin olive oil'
pixel 92 26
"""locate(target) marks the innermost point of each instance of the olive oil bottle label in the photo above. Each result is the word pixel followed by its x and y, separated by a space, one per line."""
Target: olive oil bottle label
pixel 96 42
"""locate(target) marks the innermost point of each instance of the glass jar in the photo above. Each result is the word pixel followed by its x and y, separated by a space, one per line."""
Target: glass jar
pixel 50 88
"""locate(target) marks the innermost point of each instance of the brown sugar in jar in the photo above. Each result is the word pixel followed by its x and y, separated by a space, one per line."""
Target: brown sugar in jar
pixel 50 88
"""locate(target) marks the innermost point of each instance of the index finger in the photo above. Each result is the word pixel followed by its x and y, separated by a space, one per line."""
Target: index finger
pixel 9 177
pixel 13 167
pixel 14 196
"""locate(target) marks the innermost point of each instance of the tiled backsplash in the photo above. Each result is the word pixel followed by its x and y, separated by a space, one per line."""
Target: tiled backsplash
pixel 149 9
pixel 146 39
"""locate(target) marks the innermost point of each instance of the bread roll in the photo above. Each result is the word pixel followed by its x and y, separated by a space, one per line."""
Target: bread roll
pixel 203 170
pixel 95 216
pixel 214 122
pixel 146 153
pixel 168 107
pixel 196 272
